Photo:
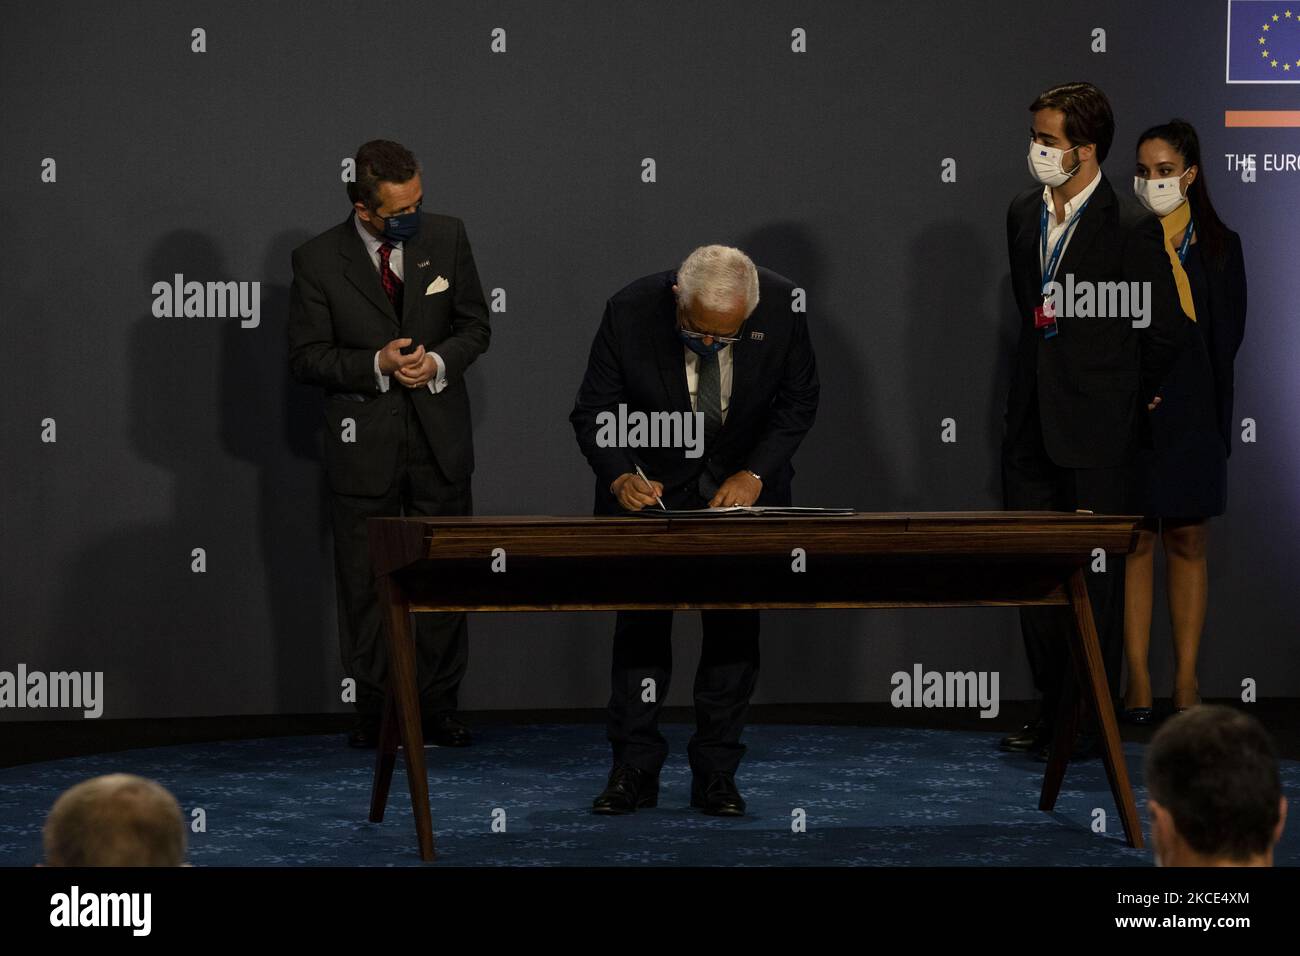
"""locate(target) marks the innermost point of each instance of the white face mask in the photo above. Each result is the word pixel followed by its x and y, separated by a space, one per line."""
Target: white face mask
pixel 1045 164
pixel 1161 196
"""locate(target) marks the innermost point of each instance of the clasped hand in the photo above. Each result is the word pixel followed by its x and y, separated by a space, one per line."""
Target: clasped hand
pixel 414 371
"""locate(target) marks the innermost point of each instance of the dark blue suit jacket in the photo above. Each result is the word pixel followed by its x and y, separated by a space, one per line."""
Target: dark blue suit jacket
pixel 638 360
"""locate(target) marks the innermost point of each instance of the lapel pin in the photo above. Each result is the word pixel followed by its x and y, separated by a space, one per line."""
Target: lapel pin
pixel 756 336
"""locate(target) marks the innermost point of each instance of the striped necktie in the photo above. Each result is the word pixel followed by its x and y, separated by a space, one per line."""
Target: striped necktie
pixel 708 401
pixel 392 284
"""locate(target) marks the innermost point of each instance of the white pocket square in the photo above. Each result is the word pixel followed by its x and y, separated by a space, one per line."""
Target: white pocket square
pixel 437 285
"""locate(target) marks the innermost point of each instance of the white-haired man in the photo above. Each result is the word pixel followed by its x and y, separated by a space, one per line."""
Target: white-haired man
pixel 716 340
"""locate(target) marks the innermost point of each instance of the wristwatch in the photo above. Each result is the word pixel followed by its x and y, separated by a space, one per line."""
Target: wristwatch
pixel 755 474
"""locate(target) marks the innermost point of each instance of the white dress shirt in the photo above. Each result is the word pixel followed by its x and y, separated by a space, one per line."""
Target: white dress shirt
pixel 724 377
pixel 725 366
pixel 396 262
pixel 1054 228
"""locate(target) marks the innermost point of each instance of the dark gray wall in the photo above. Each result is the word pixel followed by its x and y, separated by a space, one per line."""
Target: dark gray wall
pixel 182 433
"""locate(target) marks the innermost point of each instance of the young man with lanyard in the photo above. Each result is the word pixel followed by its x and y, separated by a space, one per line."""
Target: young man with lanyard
pixel 1081 387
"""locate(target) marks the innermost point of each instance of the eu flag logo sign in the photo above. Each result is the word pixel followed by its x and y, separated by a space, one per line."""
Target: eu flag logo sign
pixel 1263 41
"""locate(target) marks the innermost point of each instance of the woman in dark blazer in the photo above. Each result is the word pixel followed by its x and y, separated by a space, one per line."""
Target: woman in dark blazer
pixel 1185 472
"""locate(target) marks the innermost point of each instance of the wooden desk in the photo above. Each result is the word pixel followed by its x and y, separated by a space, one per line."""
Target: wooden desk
pixel 999 558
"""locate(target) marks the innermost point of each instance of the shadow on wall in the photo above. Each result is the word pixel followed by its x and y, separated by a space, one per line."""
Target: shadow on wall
pixel 274 424
pixel 170 641
pixel 958 346
pixel 840 463
pixel 958 343
pixel 958 351
pixel 1008 326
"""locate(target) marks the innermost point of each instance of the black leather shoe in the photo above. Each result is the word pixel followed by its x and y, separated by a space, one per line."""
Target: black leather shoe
pixel 1033 736
pixel 717 795
pixel 628 790
pixel 444 730
pixel 365 735
pixel 1086 746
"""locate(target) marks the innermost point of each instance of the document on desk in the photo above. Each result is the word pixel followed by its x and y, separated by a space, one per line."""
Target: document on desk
pixel 777 511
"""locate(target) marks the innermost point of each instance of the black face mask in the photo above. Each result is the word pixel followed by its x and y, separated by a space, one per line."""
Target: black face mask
pixel 403 227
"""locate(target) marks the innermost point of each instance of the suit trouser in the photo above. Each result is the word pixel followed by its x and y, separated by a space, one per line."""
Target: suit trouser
pixel 724 679
pixel 419 488
pixel 724 682
pixel 1032 482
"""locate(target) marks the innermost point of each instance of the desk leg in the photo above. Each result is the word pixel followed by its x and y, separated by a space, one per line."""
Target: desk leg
pixel 1090 680
pixel 402 708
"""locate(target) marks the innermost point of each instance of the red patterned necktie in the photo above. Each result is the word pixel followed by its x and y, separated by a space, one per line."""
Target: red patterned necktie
pixel 392 284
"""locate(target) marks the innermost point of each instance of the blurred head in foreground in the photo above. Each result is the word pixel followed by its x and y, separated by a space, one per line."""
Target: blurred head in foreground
pixel 1215 794
pixel 115 820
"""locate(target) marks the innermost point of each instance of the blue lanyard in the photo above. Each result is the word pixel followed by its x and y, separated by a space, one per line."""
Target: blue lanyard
pixel 1187 241
pixel 1049 271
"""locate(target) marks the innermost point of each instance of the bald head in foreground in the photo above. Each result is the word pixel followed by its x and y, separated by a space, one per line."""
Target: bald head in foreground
pixel 115 820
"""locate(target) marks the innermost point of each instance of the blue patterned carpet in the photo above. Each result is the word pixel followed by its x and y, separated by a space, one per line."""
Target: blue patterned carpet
pixel 873 796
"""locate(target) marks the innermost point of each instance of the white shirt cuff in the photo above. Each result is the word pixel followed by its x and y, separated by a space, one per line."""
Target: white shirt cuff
pixel 380 379
pixel 439 381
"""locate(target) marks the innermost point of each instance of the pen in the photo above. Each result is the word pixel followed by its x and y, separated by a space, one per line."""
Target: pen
pixel 650 486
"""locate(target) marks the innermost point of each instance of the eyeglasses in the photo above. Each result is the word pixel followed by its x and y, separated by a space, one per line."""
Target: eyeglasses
pixel 692 334
pixel 724 339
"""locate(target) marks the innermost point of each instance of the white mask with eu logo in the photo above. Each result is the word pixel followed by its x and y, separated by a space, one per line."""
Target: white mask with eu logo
pixel 1045 164
pixel 1161 196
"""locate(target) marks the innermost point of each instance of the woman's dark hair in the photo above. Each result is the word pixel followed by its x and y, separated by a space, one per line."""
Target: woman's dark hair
pixel 1210 230
pixel 380 161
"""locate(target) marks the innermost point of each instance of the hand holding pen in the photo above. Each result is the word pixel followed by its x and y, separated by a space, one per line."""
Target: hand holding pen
pixel 650 487
pixel 634 491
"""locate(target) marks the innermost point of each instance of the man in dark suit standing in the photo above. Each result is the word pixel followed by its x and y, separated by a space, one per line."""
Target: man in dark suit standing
pixel 1081 383
pixel 386 314
pixel 718 340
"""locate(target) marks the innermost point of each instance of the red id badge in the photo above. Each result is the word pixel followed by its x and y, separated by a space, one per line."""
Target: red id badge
pixel 1044 316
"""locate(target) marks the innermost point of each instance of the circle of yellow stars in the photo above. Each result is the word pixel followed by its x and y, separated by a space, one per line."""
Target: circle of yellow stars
pixel 1263 41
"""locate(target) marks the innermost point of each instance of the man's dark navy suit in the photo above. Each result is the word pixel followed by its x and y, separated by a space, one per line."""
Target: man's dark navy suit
pixel 1077 408
pixel 638 360
pixel 412 451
